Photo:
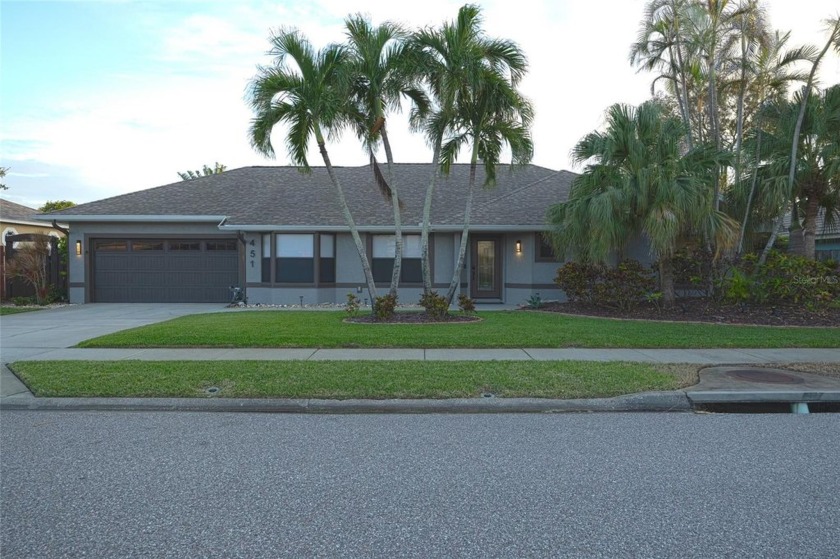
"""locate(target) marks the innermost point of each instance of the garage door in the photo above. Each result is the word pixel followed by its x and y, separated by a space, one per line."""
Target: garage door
pixel 164 271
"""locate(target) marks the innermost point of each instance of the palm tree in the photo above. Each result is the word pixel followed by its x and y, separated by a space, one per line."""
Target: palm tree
pixel 833 40
pixel 382 71
pixel 639 180
pixel 309 92
pixel 491 116
pixel 771 70
pixel 816 182
pixel 453 60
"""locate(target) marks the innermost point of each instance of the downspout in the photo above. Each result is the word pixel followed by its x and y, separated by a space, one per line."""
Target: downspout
pixel 60 228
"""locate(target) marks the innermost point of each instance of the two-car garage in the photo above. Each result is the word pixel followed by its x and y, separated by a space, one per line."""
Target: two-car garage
pixel 163 270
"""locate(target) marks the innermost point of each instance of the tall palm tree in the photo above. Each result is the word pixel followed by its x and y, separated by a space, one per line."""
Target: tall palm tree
pixel 309 92
pixel 816 182
pixel 661 46
pixel 639 181
pixel 833 26
pixel 382 76
pixel 771 69
pixel 453 59
pixel 491 116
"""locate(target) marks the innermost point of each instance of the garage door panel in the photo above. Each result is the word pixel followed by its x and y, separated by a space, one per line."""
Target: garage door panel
pixel 149 276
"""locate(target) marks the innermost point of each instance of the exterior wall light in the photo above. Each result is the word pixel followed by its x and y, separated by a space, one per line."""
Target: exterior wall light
pixel 518 247
pixel 78 248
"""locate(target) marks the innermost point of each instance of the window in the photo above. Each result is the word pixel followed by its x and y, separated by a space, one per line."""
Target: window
pixel 146 245
pixel 229 245
pixel 111 246
pixel 266 258
pixel 545 252
pixel 326 264
pixel 384 247
pixel 295 259
pixel 184 245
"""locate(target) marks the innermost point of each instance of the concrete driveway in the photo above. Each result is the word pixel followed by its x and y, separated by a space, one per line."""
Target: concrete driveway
pixel 26 335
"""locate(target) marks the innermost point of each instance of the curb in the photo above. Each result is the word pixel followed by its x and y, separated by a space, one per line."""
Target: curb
pixel 643 402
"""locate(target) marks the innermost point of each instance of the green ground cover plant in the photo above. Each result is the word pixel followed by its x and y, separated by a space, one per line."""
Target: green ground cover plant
pixel 496 329
pixel 345 380
pixel 17 310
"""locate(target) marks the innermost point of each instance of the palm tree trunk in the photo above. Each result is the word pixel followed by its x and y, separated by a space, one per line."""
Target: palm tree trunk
pixel 795 245
pixel 348 217
pixel 395 202
pixel 740 247
pixel 666 281
pixel 739 119
pixel 809 229
pixel 455 283
pixel 777 228
pixel 427 213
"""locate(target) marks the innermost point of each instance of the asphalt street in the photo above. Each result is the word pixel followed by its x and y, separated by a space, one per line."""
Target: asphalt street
pixel 117 484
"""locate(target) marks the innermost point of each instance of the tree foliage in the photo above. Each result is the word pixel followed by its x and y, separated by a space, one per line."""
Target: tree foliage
pixel 55 205
pixel 205 171
pixel 29 263
pixel 638 180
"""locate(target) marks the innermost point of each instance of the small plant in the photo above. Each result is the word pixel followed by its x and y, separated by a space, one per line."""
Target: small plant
pixel 352 305
pixel 383 307
pixel 22 301
pixel 534 301
pixel 436 305
pixel 465 304
pixel 655 298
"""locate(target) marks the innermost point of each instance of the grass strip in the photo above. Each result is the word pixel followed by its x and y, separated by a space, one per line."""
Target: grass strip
pixel 17 310
pixel 347 379
pixel 497 330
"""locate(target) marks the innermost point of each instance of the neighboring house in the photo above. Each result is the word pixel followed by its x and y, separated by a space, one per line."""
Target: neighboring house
pixel 280 234
pixel 16 219
pixel 828 237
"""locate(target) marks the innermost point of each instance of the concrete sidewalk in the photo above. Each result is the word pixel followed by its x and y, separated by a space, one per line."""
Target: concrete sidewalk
pixel 691 356
pixel 51 335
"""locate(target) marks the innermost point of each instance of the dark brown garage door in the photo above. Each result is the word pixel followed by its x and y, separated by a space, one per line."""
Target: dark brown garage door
pixel 164 271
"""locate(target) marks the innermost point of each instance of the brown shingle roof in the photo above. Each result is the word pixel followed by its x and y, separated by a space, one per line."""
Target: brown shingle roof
pixel 9 211
pixel 279 196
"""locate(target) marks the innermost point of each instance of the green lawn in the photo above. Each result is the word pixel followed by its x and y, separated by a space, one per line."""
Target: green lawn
pixel 497 329
pixel 345 380
pixel 17 310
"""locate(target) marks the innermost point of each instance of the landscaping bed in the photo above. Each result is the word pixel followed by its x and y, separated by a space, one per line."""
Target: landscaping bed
pixel 704 310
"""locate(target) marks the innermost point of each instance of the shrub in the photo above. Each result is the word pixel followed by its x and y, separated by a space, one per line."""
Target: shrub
pixel 383 307
pixel 534 301
pixel 783 279
pixel 30 264
pixel 466 304
pixel 352 305
pixel 576 280
pixel 22 301
pixel 436 305
pixel 622 287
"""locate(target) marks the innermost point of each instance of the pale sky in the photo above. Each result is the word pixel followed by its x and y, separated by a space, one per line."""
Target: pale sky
pixel 101 98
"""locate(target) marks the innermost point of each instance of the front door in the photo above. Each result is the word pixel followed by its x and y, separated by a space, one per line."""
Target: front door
pixel 486 264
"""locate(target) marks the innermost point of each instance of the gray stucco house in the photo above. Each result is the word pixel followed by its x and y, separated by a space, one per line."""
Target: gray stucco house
pixel 279 234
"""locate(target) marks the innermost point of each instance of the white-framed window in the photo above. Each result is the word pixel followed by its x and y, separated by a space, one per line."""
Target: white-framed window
pixel 295 258
pixel 383 251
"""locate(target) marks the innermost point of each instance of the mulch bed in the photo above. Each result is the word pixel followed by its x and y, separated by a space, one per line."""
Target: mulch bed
pixel 414 318
pixel 705 310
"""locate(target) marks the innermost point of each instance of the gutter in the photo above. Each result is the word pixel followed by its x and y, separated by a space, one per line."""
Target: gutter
pixel 383 228
pixel 135 218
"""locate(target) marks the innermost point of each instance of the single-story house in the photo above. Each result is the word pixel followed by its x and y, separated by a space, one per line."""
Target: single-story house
pixel 280 235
